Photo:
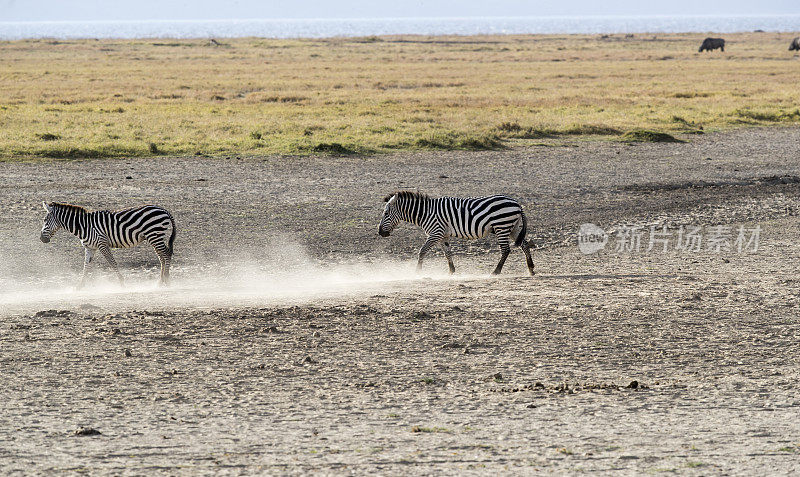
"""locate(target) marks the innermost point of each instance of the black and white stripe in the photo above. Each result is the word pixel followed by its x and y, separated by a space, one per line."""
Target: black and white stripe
pixel 103 230
pixel 445 217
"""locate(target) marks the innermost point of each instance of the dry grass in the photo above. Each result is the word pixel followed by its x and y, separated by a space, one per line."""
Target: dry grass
pixel 342 96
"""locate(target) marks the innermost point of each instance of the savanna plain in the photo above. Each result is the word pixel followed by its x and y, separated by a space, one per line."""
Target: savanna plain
pixel 294 340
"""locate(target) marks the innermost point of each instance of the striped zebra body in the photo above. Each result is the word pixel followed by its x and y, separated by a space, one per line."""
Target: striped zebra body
pixel 471 218
pixel 103 230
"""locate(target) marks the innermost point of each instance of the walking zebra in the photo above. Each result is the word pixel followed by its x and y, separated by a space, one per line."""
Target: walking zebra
pixel 472 218
pixel 103 230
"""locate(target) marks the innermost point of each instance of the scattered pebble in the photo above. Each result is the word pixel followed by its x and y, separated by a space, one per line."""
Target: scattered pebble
pixel 453 345
pixel 87 431
pixel 49 313
pixel 128 353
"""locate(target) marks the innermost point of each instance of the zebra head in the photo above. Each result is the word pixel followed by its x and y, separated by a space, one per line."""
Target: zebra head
pixel 51 223
pixel 391 216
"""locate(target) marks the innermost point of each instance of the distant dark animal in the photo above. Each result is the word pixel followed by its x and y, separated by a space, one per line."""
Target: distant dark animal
pixel 103 230
pixel 445 217
pixel 710 44
pixel 795 44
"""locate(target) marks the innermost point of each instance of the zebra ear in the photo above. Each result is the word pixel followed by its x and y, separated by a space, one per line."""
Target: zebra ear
pixel 46 207
pixel 388 197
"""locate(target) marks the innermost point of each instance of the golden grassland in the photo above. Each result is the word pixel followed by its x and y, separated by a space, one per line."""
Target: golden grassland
pixel 254 96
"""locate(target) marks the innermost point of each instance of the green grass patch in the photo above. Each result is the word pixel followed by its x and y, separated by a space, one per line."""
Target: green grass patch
pixel 333 148
pixel 769 116
pixel 645 135
pixel 456 141
pixel 345 96
pixel 74 152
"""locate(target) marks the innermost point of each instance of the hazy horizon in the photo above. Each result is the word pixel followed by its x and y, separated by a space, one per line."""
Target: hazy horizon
pixel 199 10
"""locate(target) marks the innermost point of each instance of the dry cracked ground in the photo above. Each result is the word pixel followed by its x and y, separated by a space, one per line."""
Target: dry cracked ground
pixel 296 341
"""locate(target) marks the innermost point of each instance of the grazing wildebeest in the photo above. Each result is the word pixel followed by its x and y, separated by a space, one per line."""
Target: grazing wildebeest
pixel 710 44
pixel 103 230
pixel 795 44
pixel 445 217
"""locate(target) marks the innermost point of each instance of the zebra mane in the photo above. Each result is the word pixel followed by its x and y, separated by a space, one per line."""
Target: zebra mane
pixel 407 194
pixel 75 208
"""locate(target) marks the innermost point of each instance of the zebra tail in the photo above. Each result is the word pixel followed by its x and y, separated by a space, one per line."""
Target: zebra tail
pixel 523 232
pixel 174 232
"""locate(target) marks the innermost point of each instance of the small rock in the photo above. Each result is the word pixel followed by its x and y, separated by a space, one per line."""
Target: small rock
pixel 87 431
pixel 271 329
pixel 633 385
pixel 497 376
pixel 422 315
pixel 128 353
pixel 49 313
pixel 452 345
pixel 309 360
pixel 531 406
pixel 128 177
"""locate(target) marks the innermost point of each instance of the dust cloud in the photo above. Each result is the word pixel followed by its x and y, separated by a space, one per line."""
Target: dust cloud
pixel 281 272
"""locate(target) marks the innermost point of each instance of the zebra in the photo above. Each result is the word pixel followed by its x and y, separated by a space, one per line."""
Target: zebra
pixel 445 217
pixel 104 229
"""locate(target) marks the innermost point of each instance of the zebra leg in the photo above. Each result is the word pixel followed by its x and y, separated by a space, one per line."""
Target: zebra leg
pixel 502 240
pixel 87 258
pixel 164 257
pixel 432 240
pixel 526 247
pixel 449 254
pixel 107 254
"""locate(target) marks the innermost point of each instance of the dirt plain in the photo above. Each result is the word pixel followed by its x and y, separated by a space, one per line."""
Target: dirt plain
pixel 296 341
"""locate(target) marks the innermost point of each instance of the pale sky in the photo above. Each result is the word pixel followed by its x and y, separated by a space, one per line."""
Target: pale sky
pixel 72 10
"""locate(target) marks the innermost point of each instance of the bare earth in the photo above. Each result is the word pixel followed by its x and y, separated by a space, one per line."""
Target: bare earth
pixel 296 341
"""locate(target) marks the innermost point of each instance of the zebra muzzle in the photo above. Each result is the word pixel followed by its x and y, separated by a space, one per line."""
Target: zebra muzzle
pixel 45 238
